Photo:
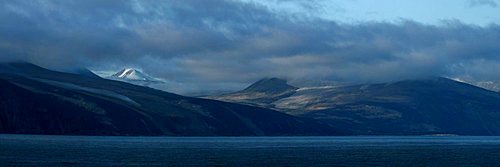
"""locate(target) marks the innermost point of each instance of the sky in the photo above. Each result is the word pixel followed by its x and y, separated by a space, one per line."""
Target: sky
pixel 203 45
pixel 477 12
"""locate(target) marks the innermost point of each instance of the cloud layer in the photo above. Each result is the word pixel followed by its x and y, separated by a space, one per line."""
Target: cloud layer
pixel 232 43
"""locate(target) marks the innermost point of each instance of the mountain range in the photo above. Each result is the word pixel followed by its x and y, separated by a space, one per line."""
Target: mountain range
pixel 432 105
pixel 36 100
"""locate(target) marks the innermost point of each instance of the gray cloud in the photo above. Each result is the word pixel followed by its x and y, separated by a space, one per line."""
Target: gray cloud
pixel 229 43
pixel 476 3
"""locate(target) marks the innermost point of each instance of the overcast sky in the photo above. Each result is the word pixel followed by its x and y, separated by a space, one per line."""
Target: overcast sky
pixel 209 44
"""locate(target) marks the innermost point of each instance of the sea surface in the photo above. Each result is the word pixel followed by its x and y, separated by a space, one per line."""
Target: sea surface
pixel 36 150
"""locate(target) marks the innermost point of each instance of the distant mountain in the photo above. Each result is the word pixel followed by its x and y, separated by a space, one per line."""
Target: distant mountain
pixel 35 100
pixel 132 74
pixel 261 93
pixel 411 107
pixel 135 76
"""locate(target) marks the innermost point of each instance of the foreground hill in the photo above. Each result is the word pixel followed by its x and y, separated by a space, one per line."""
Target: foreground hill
pixel 411 107
pixel 35 100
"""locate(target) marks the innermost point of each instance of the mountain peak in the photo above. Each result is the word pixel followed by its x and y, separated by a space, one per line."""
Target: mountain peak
pixel 270 85
pixel 135 76
pixel 132 74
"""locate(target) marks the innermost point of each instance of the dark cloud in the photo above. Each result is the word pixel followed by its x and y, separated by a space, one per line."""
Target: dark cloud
pixel 476 3
pixel 230 43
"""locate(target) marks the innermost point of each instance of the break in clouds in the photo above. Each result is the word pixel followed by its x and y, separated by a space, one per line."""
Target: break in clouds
pixel 232 43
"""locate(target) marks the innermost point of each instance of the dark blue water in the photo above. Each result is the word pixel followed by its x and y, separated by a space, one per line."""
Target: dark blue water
pixel 29 150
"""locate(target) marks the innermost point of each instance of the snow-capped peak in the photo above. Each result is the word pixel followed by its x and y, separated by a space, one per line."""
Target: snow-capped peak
pixel 133 74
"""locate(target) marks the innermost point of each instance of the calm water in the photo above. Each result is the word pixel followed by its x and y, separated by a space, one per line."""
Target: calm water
pixel 28 150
